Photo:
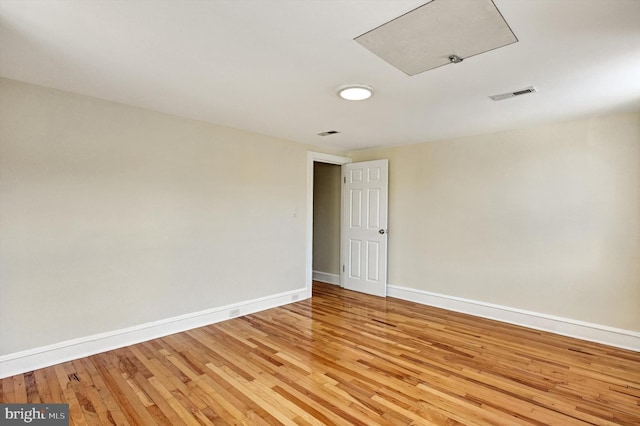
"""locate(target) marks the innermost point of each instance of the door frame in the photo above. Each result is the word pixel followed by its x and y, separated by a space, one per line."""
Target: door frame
pixel 317 157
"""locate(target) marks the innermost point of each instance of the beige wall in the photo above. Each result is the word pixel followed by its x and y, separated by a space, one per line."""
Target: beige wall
pixel 545 219
pixel 326 218
pixel 113 216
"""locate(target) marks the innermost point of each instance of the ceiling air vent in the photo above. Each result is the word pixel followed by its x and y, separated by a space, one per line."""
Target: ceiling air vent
pixel 524 91
pixel 328 133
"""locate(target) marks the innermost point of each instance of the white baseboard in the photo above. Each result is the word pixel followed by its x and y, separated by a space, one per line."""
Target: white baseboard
pixel 326 277
pixel 611 336
pixel 45 356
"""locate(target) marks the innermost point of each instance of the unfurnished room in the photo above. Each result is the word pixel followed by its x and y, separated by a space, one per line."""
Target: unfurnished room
pixel 320 212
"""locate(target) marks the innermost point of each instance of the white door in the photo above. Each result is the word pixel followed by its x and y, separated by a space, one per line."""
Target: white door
pixel 364 227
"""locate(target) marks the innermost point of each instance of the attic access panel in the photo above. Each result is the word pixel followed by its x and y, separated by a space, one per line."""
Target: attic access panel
pixel 427 36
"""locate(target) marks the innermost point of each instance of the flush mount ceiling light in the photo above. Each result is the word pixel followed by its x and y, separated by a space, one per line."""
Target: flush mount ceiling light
pixel 355 92
pixel 438 33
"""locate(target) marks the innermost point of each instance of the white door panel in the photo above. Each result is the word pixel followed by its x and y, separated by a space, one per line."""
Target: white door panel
pixel 364 228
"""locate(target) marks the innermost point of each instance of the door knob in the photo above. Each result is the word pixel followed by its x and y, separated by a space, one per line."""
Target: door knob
pixel 382 231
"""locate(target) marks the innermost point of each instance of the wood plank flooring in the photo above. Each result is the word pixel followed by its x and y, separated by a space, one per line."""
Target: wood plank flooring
pixel 345 358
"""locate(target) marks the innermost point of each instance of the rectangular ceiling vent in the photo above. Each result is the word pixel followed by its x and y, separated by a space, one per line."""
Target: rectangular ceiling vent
pixel 328 133
pixel 524 91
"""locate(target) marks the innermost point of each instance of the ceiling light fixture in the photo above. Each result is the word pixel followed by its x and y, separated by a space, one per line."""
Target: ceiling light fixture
pixel 355 92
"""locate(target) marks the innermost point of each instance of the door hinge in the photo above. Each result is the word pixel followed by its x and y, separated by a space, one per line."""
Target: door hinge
pixel 342 268
pixel 345 179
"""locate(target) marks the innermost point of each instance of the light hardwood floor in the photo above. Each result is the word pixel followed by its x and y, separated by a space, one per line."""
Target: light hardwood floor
pixel 346 358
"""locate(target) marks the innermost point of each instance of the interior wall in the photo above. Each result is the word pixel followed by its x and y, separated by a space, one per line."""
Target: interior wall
pixel 326 218
pixel 545 219
pixel 113 216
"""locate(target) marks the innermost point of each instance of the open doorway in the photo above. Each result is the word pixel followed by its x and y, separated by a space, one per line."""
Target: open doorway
pixel 363 231
pixel 326 222
pixel 331 276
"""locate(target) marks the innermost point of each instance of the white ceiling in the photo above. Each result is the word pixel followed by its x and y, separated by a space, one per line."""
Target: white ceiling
pixel 273 66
